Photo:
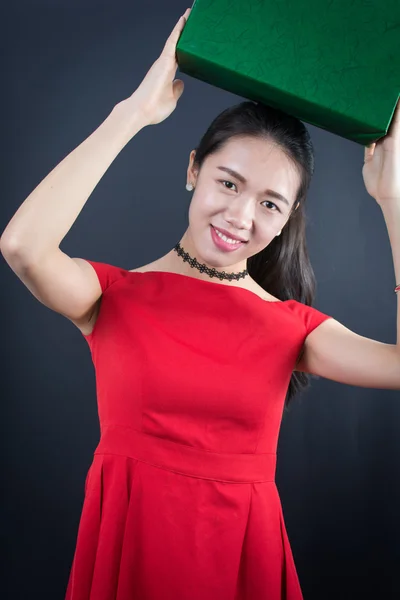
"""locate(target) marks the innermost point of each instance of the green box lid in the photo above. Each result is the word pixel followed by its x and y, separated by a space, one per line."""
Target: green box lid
pixel 335 65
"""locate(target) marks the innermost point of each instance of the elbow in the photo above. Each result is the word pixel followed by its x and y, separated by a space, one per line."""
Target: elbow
pixel 8 244
pixel 12 251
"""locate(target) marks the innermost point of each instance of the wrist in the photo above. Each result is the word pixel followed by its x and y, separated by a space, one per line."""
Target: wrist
pixel 128 117
pixel 390 207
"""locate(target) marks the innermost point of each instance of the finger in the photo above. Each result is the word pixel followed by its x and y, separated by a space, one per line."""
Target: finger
pixel 170 45
pixel 369 151
pixel 178 87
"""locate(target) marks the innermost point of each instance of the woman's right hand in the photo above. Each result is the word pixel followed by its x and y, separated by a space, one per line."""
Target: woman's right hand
pixel 158 94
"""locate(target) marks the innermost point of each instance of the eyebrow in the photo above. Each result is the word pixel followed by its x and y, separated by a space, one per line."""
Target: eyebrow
pixel 268 192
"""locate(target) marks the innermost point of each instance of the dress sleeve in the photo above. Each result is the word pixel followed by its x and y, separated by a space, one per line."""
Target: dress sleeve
pixel 106 273
pixel 313 317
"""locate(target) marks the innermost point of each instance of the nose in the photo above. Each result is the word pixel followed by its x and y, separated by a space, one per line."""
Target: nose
pixel 241 213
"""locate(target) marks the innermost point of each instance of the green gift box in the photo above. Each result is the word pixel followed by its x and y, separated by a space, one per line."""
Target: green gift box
pixel 334 64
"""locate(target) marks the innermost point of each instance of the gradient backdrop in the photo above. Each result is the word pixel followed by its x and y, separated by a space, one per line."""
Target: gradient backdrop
pixel 65 65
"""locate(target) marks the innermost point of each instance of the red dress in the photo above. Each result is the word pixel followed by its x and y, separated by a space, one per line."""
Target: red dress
pixel 180 500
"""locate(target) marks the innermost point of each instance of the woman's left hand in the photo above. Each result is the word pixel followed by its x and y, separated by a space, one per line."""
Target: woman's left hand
pixel 381 170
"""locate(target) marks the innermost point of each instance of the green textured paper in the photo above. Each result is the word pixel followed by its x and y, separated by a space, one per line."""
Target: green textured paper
pixel 333 63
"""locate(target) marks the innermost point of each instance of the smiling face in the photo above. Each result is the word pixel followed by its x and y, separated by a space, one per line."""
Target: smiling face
pixel 246 204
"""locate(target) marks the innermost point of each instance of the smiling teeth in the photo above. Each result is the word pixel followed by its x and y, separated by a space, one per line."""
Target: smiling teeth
pixel 226 239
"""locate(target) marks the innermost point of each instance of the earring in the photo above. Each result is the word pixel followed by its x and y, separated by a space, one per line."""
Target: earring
pixel 279 232
pixel 189 187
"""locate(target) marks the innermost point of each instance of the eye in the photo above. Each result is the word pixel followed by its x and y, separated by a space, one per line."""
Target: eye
pixel 225 181
pixel 273 204
pixel 230 182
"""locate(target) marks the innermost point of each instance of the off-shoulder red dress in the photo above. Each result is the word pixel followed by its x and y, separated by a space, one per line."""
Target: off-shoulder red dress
pixel 180 500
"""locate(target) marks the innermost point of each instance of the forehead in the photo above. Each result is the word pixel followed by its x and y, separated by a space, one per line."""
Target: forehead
pixel 260 161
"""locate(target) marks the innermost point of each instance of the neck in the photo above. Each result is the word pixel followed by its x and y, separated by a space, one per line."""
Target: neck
pixel 182 259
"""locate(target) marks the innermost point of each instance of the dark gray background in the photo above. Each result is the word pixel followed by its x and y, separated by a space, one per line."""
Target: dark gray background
pixel 65 65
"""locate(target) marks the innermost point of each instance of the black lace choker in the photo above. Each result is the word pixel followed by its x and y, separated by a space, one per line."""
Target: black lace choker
pixel 204 269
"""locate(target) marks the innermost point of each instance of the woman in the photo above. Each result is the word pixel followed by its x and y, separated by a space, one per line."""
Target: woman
pixel 195 360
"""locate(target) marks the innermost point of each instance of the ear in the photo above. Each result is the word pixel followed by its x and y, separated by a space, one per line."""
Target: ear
pixel 191 171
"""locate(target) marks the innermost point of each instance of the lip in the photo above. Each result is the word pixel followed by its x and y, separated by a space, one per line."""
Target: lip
pixel 230 235
pixel 221 244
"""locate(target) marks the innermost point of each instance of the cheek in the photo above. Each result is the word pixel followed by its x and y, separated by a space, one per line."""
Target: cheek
pixel 267 226
pixel 264 234
pixel 197 213
pixel 203 205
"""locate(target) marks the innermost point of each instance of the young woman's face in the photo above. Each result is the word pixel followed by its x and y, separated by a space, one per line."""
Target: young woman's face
pixel 245 209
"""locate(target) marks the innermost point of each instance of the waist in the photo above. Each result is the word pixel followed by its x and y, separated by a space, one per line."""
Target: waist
pixel 186 460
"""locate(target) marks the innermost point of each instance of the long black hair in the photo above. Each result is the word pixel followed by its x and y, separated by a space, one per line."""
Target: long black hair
pixel 283 268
